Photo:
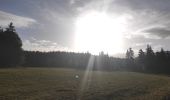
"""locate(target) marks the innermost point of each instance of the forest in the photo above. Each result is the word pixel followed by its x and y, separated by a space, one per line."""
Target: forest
pixel 12 55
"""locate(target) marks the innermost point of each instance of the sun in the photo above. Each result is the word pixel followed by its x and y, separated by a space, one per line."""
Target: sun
pixel 96 32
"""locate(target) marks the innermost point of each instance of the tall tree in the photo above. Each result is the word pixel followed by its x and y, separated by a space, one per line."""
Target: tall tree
pixel 141 59
pixel 149 51
pixel 130 54
pixel 130 59
pixel 141 54
pixel 150 59
pixel 11 52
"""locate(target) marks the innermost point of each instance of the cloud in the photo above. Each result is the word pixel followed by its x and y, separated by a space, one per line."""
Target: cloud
pixel 144 4
pixel 161 32
pixel 19 21
pixel 144 13
pixel 43 45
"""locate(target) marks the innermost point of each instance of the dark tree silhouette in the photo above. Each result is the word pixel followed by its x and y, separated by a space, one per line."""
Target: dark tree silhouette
pixel 10 51
pixel 150 59
pixel 130 64
pixel 161 61
pixel 141 59
pixel 1 29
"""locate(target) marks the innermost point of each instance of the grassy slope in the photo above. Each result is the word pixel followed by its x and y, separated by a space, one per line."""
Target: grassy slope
pixel 61 84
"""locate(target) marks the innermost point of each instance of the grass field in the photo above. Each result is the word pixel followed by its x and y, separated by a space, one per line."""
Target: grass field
pixel 61 84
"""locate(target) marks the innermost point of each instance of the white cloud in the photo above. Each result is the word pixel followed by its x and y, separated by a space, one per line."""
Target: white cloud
pixel 43 45
pixel 72 2
pixel 19 21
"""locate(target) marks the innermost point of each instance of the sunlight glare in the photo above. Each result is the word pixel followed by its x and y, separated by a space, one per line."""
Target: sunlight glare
pixel 97 32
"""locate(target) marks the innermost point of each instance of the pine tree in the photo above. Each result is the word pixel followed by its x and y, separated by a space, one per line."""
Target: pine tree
pixel 130 54
pixel 150 58
pixel 11 53
pixel 141 55
pixel 141 59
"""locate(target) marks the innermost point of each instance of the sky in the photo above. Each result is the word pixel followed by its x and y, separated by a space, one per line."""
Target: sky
pixel 49 25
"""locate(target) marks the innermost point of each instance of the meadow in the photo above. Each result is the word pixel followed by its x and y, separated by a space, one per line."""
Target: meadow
pixel 72 84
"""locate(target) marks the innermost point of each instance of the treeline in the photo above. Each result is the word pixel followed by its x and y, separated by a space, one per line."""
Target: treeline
pixel 12 55
pixel 72 60
pixel 150 61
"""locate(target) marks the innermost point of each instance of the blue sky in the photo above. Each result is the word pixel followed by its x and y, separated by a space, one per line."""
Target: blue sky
pixel 49 24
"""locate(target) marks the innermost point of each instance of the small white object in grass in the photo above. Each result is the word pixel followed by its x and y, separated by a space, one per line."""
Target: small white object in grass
pixel 76 76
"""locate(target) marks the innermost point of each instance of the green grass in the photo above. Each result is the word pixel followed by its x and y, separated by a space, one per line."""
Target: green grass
pixel 61 84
